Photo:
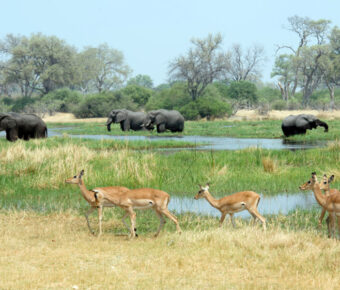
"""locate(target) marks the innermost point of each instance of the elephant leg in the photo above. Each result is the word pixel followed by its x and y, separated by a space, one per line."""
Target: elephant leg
pixel 126 125
pixel 12 135
pixel 161 128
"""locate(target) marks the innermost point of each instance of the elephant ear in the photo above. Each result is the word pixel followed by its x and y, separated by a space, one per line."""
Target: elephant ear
pixel 160 118
pixel 8 122
pixel 121 116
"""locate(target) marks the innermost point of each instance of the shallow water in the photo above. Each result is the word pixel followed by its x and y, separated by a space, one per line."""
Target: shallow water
pixel 279 204
pixel 212 143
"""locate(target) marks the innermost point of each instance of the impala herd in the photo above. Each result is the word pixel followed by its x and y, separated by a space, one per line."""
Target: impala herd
pixel 158 200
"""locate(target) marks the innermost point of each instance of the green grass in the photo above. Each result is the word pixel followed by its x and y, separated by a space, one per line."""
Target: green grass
pixel 32 173
pixel 245 129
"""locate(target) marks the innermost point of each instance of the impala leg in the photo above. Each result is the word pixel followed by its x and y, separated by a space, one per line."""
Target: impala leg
pixel 161 222
pixel 253 211
pixel 132 215
pixel 173 218
pixel 87 218
pixel 124 220
pixel 321 217
pixel 329 222
pixel 339 226
pixel 222 218
pixel 333 225
pixel 232 220
pixel 100 217
pixel 254 219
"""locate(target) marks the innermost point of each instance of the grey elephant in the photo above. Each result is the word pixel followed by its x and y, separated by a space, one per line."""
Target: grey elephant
pixel 127 119
pixel 165 120
pixel 22 126
pixel 298 124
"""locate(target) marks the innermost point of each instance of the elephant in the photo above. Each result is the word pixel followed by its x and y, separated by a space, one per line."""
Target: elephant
pixel 165 120
pixel 22 126
pixel 128 120
pixel 298 124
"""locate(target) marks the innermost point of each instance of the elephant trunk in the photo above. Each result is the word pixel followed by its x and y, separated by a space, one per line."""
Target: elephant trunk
pixel 108 124
pixel 322 124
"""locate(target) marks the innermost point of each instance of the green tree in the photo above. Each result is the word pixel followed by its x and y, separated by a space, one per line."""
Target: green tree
pixel 140 95
pixel 243 92
pixel 39 63
pixel 109 68
pixel 142 81
pixel 202 65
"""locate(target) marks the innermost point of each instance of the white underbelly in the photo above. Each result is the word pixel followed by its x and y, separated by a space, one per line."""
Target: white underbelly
pixel 142 203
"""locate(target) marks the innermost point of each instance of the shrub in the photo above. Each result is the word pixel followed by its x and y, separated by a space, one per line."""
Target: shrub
pixel 99 105
pixel 190 111
pixel 243 92
pixel 62 100
pixel 140 95
pixel 279 105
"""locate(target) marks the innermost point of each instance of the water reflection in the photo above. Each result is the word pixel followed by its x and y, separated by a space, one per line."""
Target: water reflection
pixel 283 203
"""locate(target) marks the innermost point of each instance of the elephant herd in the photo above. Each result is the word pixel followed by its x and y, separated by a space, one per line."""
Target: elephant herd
pixel 163 120
pixel 22 126
pixel 27 126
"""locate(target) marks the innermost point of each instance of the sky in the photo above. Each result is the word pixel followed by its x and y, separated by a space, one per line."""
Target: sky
pixel 152 33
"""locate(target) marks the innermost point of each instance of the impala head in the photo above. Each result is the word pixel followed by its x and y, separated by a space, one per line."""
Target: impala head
pixel 202 192
pixel 75 179
pixel 325 182
pixel 310 183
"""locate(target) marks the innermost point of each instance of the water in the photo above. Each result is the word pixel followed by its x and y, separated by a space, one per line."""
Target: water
pixel 209 143
pixel 279 204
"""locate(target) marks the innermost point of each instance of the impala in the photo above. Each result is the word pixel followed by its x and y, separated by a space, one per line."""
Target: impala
pixel 145 198
pixel 244 200
pixel 328 191
pixel 330 203
pixel 97 198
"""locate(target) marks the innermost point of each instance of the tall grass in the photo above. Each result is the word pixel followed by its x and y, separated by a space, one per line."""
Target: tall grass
pixel 32 173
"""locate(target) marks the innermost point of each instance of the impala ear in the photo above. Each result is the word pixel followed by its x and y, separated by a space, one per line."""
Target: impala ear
pixel 207 186
pixel 331 179
pixel 81 173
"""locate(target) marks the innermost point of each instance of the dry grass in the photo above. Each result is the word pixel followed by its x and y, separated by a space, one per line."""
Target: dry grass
pixel 57 252
pixel 253 115
pixel 70 118
pixel 269 165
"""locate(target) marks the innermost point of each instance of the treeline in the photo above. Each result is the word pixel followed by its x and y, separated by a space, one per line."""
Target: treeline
pixel 44 74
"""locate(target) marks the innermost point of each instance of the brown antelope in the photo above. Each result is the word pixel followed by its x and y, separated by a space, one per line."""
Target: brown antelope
pixel 330 203
pixel 145 198
pixel 328 191
pixel 244 200
pixel 97 198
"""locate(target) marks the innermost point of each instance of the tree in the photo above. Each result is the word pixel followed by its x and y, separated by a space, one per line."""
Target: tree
pixel 38 63
pixel 142 81
pixel 203 64
pixel 331 64
pixel 303 66
pixel 245 66
pixel 109 68
pixel 140 95
pixel 244 92
pixel 283 68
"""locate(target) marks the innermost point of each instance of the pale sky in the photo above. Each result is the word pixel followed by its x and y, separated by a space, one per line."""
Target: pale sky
pixel 151 33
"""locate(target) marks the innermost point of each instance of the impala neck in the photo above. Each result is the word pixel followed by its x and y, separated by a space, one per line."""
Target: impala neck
pixel 88 195
pixel 320 198
pixel 211 200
